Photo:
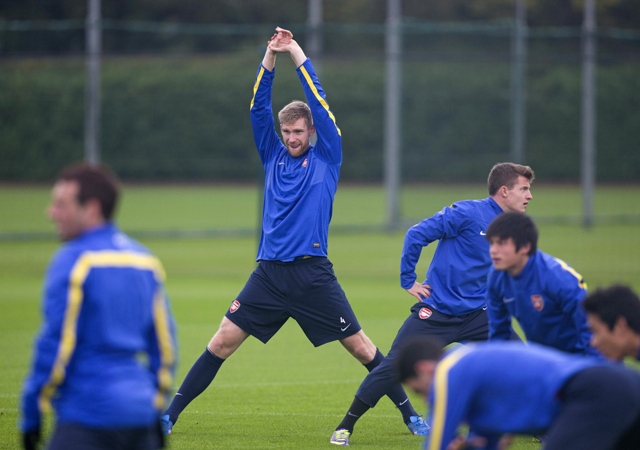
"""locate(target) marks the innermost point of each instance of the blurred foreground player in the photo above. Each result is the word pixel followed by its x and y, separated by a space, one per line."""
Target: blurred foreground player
pixel 294 277
pixel 500 388
pixel 105 354
pixel 613 315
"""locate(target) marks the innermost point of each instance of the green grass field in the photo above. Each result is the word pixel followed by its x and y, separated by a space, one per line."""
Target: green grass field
pixel 285 394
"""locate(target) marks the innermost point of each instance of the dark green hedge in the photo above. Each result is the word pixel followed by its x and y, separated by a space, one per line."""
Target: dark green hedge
pixel 188 118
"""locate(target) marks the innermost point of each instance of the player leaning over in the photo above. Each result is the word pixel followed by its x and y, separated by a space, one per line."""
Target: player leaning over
pixel 502 388
pixel 294 277
pixel 541 292
pixel 451 301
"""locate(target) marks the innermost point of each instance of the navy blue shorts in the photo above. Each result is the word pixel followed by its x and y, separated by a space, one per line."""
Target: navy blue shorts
pixel 79 437
pixel 423 321
pixel 426 321
pixel 306 290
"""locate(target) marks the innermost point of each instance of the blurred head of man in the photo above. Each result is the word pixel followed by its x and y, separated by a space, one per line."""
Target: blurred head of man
pixel 513 238
pixel 416 362
pixel 613 316
pixel 83 197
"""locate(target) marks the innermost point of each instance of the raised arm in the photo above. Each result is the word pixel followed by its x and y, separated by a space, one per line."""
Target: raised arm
pixel 282 42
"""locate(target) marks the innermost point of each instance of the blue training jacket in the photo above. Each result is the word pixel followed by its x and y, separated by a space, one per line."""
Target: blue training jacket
pixel 298 192
pixel 458 271
pixel 498 388
pixel 545 299
pixel 106 351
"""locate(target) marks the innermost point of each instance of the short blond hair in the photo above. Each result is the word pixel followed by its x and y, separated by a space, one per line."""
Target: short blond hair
pixel 294 111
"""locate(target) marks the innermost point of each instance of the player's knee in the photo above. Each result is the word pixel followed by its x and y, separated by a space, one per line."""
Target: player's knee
pixel 226 340
pixel 361 347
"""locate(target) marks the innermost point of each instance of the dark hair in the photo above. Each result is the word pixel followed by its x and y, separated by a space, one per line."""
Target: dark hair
pixel 506 174
pixel 614 302
pixel 517 226
pixel 95 182
pixel 414 349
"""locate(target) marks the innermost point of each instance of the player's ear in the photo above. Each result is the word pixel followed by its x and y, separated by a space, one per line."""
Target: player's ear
pixel 621 325
pixel 312 130
pixel 94 208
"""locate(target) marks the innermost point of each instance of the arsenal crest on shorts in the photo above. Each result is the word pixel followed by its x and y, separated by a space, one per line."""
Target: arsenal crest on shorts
pixel 234 306
pixel 424 313
pixel 537 301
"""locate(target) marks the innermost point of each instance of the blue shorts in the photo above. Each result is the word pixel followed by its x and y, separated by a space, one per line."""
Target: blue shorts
pixel 306 290
pixel 423 321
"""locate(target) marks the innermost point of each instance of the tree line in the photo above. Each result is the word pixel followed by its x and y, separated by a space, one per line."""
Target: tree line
pixel 548 13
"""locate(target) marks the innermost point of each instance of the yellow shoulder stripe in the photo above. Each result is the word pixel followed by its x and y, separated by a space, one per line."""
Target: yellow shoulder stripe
pixel 318 96
pixel 581 283
pixel 255 86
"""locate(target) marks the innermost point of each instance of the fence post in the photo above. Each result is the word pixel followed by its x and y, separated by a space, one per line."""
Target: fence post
pixel 93 52
pixel 392 102
pixel 588 110
pixel 518 82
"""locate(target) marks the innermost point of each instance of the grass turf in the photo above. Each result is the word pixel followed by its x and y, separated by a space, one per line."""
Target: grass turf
pixel 285 394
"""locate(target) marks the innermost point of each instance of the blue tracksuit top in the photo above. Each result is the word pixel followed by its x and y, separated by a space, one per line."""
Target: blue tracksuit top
pixel 298 192
pixel 497 388
pixel 458 271
pixel 545 299
pixel 104 309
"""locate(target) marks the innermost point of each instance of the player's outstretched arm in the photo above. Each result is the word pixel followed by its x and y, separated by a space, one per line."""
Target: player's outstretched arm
pixel 269 60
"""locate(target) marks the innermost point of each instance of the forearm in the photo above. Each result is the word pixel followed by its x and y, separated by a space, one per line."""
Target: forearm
pixel 499 327
pixel 269 60
pixel 297 54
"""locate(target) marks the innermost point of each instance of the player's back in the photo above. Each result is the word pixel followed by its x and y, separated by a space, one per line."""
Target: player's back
pixel 497 378
pixel 109 328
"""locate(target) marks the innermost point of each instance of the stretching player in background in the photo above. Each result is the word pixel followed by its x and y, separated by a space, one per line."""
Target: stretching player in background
pixel 541 292
pixel 613 315
pixel 105 312
pixel 294 277
pixel 451 302
pixel 505 387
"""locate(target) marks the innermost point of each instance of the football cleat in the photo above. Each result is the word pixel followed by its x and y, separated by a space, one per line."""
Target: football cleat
pixel 418 426
pixel 340 437
pixel 166 424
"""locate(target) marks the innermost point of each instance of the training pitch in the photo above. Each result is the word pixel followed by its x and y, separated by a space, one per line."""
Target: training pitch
pixel 285 394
